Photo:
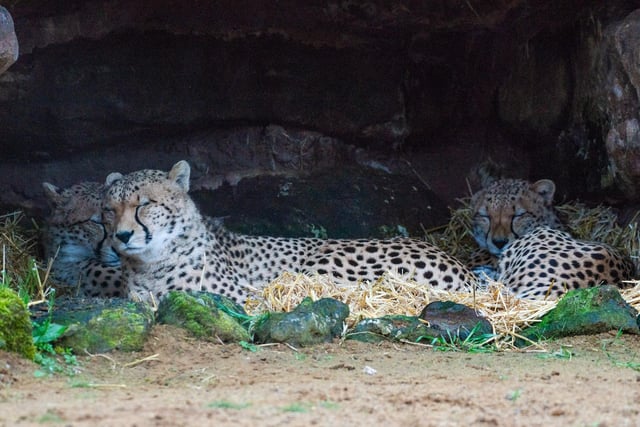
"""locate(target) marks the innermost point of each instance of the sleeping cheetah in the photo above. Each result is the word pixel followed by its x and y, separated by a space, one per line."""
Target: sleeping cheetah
pixel 510 208
pixel 75 239
pixel 516 222
pixel 165 244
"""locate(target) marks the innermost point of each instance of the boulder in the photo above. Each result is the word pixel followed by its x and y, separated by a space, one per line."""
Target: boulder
pixel 8 41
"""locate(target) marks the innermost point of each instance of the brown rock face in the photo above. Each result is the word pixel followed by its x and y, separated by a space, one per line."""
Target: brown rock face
pixel 623 86
pixel 607 95
pixel 247 90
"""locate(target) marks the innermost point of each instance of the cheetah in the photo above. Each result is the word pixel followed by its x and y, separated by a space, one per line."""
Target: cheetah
pixel 511 208
pixel 524 245
pixel 76 240
pixel 547 262
pixel 166 244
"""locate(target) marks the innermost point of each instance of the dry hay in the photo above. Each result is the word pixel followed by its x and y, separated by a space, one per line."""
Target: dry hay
pixel 18 246
pixel 394 294
pixel 600 224
pixel 19 267
pixel 455 238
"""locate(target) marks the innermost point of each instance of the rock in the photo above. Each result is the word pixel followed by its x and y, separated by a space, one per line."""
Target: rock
pixel 455 320
pixel 584 312
pixel 392 327
pixel 8 41
pixel 437 88
pixel 309 323
pixel 101 325
pixel 536 93
pixel 205 315
pixel 609 90
pixel 439 319
pixel 345 202
pixel 15 324
pixel 623 148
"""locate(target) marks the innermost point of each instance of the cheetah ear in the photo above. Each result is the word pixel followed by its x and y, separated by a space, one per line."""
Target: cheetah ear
pixel 475 197
pixel 545 188
pixel 179 173
pixel 111 178
pixel 52 193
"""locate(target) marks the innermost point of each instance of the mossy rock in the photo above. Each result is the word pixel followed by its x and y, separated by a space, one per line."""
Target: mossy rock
pixel 309 323
pixel 392 327
pixel 439 319
pixel 451 319
pixel 15 324
pixel 205 315
pixel 585 312
pixel 101 325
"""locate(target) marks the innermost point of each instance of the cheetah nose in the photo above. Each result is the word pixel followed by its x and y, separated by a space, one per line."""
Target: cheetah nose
pixel 124 236
pixel 500 243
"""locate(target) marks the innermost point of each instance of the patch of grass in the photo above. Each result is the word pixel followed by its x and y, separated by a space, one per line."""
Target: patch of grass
pixel 225 404
pixel 248 346
pixel 328 404
pixel 51 418
pixel 52 359
pixel 514 395
pixel 303 407
pixel 56 361
pixel 613 359
pixel 473 343
pixel 44 332
pixel 298 407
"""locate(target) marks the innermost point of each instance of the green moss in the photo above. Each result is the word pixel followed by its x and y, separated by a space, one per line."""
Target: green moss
pixel 584 312
pixel 104 325
pixel 15 324
pixel 201 315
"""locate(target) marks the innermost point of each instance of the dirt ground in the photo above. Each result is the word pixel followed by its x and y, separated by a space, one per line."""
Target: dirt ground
pixel 179 381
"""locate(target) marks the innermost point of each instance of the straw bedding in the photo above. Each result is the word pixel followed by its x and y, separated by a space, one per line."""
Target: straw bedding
pixel 395 294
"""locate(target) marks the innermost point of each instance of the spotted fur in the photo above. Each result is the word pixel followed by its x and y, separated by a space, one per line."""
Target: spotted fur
pixel 547 262
pixel 75 239
pixel 165 244
pixel 508 209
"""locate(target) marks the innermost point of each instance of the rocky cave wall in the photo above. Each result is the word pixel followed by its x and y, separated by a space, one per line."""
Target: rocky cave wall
pixel 269 99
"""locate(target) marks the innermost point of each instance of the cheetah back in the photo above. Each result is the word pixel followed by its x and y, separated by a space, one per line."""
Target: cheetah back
pixel 367 259
pixel 548 262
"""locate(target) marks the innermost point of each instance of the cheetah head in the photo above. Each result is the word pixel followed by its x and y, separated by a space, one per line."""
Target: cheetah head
pixel 78 203
pixel 147 209
pixel 510 208
pixel 74 228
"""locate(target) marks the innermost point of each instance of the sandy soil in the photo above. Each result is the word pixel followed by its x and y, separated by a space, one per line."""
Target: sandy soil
pixel 185 382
